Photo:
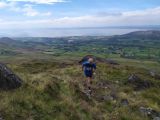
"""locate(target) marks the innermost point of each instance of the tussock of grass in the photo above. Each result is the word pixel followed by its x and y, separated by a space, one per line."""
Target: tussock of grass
pixel 55 91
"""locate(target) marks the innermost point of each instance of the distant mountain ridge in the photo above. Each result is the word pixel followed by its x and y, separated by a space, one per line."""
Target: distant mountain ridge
pixel 150 34
pixel 133 37
pixel 5 40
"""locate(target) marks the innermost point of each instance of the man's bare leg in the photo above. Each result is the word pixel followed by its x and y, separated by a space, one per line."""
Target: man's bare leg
pixel 89 82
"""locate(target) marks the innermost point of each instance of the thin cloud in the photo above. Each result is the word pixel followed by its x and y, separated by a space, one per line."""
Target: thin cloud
pixel 29 11
pixel 150 11
pixel 102 14
pixel 3 4
pixel 129 18
pixel 26 9
pixel 39 1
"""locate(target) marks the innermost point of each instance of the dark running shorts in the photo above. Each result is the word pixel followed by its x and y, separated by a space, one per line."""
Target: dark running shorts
pixel 88 74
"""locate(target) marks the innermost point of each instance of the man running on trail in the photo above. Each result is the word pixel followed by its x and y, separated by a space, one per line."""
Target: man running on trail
pixel 89 67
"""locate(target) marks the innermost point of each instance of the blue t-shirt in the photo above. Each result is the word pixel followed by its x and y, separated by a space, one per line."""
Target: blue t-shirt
pixel 88 67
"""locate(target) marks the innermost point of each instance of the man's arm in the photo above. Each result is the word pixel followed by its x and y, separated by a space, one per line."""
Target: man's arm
pixel 94 67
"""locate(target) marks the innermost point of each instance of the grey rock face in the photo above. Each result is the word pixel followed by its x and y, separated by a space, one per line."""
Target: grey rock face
pixel 8 80
pixel 152 73
pixel 124 102
pixel 107 98
pixel 1 118
pixel 138 83
pixel 155 75
pixel 150 112
pixel 156 118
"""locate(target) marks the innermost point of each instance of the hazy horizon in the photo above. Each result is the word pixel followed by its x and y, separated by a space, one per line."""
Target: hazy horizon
pixel 55 18
pixel 64 32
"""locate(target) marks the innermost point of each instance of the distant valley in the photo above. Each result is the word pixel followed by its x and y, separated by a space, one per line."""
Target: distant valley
pixel 41 77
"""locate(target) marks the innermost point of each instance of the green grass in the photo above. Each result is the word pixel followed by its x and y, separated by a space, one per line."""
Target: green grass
pixel 55 91
pixel 53 81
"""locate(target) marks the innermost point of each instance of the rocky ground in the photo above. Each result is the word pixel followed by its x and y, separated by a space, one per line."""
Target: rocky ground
pixel 55 90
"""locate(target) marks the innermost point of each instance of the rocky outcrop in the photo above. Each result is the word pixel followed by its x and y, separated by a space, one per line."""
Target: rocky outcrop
pixel 1 118
pixel 153 114
pixel 138 83
pixel 8 80
pixel 154 74
pixel 124 102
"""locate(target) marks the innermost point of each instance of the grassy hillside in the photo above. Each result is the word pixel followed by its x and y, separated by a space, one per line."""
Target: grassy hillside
pixel 54 90
pixel 53 82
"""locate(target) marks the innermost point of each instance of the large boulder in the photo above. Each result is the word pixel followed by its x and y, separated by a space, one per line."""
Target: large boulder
pixel 8 80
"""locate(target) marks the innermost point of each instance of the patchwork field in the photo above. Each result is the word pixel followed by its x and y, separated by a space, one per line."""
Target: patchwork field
pixel 53 82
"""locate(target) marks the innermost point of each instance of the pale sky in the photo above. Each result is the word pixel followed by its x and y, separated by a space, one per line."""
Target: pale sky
pixel 16 14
